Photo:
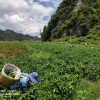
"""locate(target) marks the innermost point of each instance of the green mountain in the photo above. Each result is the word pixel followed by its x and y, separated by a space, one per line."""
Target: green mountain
pixel 9 35
pixel 74 17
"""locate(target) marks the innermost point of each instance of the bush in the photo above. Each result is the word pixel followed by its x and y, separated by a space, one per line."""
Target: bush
pixel 95 30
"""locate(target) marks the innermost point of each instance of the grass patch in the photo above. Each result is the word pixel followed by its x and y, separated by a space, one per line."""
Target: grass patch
pixel 87 90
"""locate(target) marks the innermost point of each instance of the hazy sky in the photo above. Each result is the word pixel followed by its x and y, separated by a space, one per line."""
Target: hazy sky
pixel 26 16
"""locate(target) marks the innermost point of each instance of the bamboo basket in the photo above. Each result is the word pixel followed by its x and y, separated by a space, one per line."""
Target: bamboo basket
pixel 5 80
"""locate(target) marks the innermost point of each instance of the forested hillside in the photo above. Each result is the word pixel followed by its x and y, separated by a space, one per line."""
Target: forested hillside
pixel 74 17
pixel 9 35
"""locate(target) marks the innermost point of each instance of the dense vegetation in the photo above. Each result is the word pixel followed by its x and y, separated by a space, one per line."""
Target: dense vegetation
pixel 64 73
pixel 9 35
pixel 74 17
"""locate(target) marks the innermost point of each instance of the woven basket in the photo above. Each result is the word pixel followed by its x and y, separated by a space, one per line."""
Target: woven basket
pixel 5 80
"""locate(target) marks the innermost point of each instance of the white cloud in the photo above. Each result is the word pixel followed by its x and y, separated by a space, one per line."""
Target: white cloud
pixel 40 11
pixel 13 3
pixel 13 18
pixel 25 16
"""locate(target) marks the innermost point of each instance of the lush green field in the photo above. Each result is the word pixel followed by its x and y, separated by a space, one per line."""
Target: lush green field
pixel 65 73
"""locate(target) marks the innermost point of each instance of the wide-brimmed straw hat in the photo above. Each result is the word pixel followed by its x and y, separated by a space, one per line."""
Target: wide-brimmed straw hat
pixel 34 77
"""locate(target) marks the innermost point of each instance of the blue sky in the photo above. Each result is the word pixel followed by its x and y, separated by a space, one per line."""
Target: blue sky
pixel 26 16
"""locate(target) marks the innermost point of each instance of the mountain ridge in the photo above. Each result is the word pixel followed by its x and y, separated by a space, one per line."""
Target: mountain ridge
pixel 10 35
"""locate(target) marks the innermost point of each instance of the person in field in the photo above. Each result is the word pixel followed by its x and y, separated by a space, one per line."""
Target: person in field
pixel 24 81
pixel 92 46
